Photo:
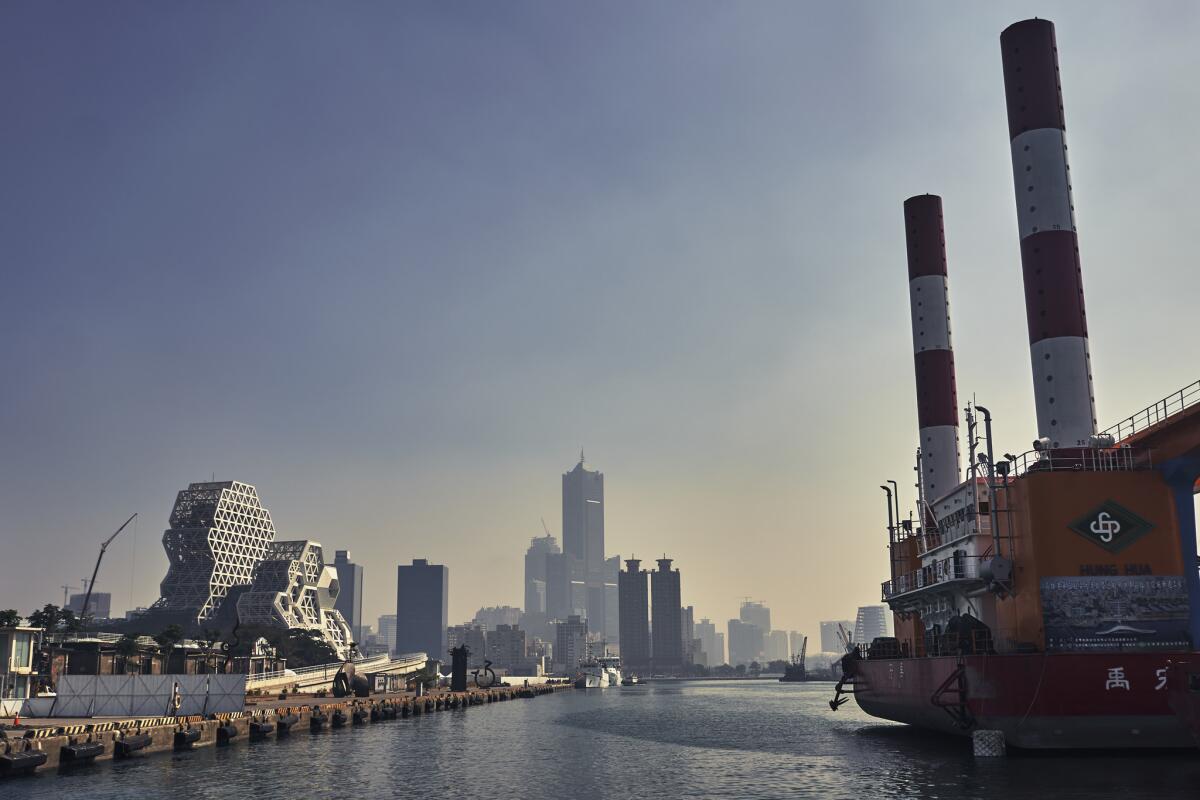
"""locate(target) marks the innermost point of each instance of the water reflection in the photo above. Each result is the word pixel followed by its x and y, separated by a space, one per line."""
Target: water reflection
pixel 716 739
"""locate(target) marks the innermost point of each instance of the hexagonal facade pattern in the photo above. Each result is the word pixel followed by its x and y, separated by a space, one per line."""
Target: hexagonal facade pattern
pixel 219 533
pixel 293 587
pixel 221 539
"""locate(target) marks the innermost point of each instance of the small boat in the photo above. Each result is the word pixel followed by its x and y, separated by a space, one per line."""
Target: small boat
pixel 630 680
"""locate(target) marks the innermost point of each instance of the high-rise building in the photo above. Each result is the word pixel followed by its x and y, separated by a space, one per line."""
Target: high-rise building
pixel 757 614
pixel 506 647
pixel 422 600
pixel 634 611
pixel 583 516
pixel 830 641
pixel 535 572
pixel 583 541
pixel 720 651
pixel 706 632
pixel 386 627
pixel 870 624
pixel 570 643
pixel 349 599
pixel 99 605
pixel 745 642
pixel 687 629
pixel 493 617
pixel 475 637
pixel 666 632
pixel 777 646
pixel 561 600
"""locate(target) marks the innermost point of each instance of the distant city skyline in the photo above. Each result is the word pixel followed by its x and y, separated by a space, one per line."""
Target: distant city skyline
pixel 396 266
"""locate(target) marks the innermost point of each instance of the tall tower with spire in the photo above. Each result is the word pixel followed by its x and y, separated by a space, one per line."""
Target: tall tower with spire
pixel 583 540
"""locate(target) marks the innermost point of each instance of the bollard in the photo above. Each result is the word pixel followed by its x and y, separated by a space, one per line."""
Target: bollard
pixel 988 744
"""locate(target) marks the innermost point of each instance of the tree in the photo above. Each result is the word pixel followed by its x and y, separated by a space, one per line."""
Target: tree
pixel 127 649
pixel 169 637
pixel 48 617
pixel 755 668
pixel 208 643
pixel 303 647
pixel 9 618
pixel 778 665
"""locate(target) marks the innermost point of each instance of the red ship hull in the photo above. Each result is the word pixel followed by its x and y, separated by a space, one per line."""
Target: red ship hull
pixel 1040 701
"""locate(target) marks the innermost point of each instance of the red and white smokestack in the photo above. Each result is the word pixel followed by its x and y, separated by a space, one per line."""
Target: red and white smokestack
pixel 1062 367
pixel 937 396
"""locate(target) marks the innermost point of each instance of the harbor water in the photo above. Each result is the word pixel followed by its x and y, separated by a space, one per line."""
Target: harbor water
pixel 736 739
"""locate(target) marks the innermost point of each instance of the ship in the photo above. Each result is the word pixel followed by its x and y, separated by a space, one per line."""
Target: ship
pixel 1052 595
pixel 795 672
pixel 601 672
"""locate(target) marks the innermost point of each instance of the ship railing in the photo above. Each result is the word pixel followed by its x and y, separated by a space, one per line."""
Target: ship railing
pixel 1150 416
pixel 954 567
pixel 1082 459
pixel 933 539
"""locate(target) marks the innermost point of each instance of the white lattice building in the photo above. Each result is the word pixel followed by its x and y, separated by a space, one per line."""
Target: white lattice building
pixel 294 588
pixel 222 541
pixel 219 533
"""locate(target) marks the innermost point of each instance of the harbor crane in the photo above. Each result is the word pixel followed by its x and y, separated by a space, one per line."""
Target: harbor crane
pixel 87 597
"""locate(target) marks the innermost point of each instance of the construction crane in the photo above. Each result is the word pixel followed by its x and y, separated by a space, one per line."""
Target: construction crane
pixel 846 637
pixel 66 590
pixel 545 527
pixel 87 597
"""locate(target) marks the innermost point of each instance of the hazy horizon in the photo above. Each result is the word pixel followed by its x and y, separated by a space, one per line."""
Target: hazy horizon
pixel 395 264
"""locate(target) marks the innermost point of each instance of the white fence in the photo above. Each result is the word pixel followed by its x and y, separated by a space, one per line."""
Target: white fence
pixel 147 695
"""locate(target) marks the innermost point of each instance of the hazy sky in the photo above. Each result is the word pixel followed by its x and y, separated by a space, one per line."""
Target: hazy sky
pixel 395 263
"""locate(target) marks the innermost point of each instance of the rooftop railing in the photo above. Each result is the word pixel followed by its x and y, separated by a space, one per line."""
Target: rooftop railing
pixel 1080 459
pixel 1150 416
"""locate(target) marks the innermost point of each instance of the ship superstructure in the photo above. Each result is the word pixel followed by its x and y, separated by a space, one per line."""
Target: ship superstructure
pixel 1042 594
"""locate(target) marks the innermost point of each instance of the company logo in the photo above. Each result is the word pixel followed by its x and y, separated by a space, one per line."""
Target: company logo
pixel 1111 526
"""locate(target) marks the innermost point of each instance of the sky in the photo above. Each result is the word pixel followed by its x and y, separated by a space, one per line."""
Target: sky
pixel 396 263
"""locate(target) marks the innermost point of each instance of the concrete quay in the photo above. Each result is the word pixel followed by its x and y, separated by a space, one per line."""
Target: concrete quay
pixel 51 744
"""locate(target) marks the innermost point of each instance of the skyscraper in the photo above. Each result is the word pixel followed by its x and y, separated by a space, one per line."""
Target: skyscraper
pixel 777 647
pixel 720 649
pixel 583 541
pixel 870 624
pixel 570 643
pixel 757 614
pixel 535 572
pixel 745 642
pixel 583 517
pixel 830 641
pixel 635 622
pixel 422 595
pixel 349 599
pixel 667 628
pixel 706 632
pixel 386 625
pixel 99 604
pixel 687 630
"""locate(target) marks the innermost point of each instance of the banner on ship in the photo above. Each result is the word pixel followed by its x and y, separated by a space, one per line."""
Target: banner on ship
pixel 1126 612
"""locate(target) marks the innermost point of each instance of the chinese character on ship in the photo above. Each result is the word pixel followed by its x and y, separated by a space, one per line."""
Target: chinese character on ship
pixel 1054 595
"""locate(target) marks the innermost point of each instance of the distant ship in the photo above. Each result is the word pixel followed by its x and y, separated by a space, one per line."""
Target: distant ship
pixel 795 672
pixel 599 673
